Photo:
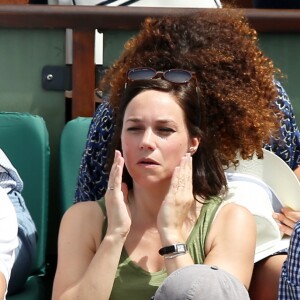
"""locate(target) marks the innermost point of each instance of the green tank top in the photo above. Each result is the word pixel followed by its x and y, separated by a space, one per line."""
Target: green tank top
pixel 134 283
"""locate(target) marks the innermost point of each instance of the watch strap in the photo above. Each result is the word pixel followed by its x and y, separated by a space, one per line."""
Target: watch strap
pixel 173 249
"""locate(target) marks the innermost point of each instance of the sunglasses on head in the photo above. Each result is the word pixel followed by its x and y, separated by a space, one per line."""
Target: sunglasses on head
pixel 178 76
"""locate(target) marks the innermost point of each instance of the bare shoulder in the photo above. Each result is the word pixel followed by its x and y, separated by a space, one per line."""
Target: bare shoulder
pixel 233 212
pixel 235 217
pixel 231 241
pixel 83 218
pixel 233 220
pixel 83 210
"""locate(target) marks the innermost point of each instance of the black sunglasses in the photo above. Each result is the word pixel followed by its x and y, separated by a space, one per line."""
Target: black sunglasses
pixel 178 76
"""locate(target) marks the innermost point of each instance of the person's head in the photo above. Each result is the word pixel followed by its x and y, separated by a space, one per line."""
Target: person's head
pixel 198 282
pixel 235 79
pixel 157 125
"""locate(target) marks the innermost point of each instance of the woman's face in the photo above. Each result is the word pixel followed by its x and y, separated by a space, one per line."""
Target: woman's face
pixel 154 137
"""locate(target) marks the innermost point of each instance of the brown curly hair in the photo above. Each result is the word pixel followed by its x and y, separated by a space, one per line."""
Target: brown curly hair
pixel 235 78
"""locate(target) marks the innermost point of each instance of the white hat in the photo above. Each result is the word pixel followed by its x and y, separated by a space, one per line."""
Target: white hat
pixel 273 171
pixel 264 186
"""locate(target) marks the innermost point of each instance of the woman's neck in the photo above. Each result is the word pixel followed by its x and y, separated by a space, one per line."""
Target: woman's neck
pixel 145 203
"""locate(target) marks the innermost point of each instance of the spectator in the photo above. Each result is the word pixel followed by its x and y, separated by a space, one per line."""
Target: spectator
pixel 12 184
pixel 8 240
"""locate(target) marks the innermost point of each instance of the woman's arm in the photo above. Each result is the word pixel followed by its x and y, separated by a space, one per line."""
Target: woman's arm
pixel 87 264
pixel 85 269
pixel 230 244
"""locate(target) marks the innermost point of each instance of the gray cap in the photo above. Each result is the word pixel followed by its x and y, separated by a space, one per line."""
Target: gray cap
pixel 201 282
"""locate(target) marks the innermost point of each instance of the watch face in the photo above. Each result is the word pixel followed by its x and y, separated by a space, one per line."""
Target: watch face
pixel 180 248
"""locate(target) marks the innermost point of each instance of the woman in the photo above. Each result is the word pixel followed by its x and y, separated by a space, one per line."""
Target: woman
pixel 212 48
pixel 168 199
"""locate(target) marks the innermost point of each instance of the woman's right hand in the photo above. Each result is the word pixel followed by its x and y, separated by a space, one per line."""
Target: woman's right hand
pixel 116 200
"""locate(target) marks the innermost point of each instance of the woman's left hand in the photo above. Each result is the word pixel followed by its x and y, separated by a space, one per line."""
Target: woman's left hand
pixel 287 219
pixel 178 201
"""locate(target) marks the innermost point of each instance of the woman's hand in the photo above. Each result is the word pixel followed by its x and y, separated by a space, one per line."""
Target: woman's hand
pixel 177 203
pixel 287 219
pixel 116 200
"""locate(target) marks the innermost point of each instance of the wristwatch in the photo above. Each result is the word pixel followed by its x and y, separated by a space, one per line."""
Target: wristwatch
pixel 179 248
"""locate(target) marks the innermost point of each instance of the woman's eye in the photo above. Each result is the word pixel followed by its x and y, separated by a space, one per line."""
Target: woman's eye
pixel 166 130
pixel 134 128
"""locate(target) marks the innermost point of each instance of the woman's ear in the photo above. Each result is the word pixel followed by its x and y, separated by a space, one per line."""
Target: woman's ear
pixel 194 144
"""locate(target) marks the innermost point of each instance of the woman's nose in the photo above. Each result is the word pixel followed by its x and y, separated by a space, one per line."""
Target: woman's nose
pixel 147 141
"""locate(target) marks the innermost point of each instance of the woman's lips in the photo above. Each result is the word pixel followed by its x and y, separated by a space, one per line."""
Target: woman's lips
pixel 148 162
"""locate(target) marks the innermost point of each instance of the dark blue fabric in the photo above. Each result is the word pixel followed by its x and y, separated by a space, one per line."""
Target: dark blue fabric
pixel 287 147
pixel 92 179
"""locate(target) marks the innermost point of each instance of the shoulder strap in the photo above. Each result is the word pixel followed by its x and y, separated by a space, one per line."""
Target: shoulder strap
pixel 101 203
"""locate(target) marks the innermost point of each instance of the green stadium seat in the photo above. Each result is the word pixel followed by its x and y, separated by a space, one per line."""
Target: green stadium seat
pixel 72 143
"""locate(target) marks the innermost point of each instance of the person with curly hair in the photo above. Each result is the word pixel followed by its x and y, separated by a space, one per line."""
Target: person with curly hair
pixel 235 113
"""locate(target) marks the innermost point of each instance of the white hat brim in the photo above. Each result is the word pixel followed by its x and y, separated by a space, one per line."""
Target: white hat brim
pixel 273 171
